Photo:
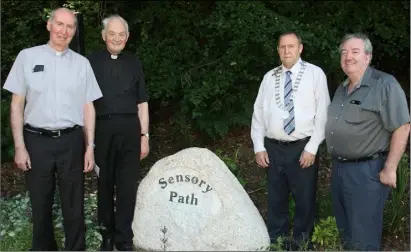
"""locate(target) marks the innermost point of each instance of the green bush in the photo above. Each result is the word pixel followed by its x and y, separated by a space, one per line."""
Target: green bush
pixel 325 238
pixel 204 60
pixel 231 163
pixel 325 235
pixel 397 211
pixel 7 145
pixel 16 224
pixel 16 215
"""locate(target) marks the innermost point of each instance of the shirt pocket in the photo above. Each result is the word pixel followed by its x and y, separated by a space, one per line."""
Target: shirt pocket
pixel 37 82
pixel 358 113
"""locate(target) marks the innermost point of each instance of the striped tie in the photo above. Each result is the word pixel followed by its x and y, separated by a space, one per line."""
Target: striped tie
pixel 289 123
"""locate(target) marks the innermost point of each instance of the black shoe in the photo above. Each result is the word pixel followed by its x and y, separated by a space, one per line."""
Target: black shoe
pixel 51 249
pixel 107 244
pixel 125 246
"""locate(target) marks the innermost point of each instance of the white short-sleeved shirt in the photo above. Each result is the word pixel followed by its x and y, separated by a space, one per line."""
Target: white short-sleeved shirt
pixel 56 85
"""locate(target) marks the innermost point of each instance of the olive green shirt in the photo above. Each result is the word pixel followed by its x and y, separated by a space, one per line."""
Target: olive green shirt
pixel 361 123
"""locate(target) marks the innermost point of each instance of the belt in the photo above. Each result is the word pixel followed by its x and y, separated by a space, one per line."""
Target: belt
pixel 288 142
pixel 374 156
pixel 50 133
pixel 113 116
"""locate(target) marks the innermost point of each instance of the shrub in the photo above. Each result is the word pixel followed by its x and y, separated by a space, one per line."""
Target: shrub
pixel 16 224
pixel 397 206
pixel 325 235
pixel 232 165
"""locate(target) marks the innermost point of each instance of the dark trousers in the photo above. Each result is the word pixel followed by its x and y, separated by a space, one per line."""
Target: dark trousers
pixel 284 175
pixel 62 156
pixel 358 199
pixel 118 143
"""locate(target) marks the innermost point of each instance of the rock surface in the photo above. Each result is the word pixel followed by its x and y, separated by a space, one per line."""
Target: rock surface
pixel 192 201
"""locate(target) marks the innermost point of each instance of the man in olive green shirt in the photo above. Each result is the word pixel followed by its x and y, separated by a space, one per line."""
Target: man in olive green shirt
pixel 366 134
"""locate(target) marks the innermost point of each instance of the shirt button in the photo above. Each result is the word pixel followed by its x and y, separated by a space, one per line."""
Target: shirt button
pixel 332 147
pixel 342 105
pixel 336 118
pixel 332 133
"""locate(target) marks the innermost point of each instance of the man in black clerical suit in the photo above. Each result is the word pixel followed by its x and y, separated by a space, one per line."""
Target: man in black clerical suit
pixel 121 133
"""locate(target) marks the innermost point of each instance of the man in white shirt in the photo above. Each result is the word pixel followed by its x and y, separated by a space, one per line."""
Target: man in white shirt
pixel 287 128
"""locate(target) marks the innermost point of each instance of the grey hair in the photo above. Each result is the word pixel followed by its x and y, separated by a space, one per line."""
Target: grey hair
pixel 363 37
pixel 108 19
pixel 53 14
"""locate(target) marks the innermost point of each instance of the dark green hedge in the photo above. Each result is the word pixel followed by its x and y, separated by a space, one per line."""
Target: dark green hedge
pixel 204 60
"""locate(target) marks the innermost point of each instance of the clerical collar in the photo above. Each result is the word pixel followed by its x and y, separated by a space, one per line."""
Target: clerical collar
pixel 112 56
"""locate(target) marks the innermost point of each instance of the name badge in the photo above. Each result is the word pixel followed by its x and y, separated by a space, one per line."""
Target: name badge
pixel 355 102
pixel 38 68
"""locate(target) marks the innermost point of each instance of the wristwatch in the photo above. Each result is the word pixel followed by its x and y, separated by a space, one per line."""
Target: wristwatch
pixel 92 145
pixel 146 135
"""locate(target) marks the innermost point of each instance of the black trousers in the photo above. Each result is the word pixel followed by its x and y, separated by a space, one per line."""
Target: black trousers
pixel 61 157
pixel 118 144
pixel 285 175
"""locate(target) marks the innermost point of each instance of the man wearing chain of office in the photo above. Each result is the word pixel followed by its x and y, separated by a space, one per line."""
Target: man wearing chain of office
pixel 287 128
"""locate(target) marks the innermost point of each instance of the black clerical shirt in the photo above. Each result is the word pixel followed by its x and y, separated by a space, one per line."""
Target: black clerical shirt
pixel 121 81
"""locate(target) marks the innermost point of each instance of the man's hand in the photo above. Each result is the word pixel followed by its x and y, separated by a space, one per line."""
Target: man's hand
pixel 89 159
pixel 262 159
pixel 388 177
pixel 306 159
pixel 22 158
pixel 145 149
pixel 398 144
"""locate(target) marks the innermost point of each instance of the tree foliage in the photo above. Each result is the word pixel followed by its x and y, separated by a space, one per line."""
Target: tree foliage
pixel 204 60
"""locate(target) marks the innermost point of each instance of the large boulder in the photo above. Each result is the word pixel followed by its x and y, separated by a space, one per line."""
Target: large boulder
pixel 192 201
